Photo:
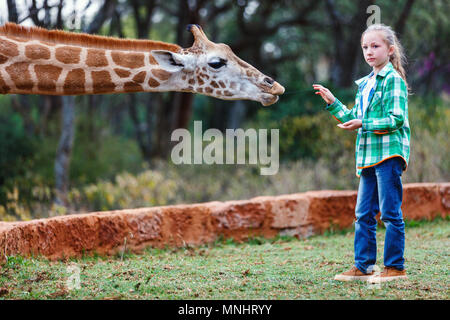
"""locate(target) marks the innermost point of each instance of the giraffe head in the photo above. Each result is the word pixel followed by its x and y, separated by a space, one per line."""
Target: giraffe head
pixel 213 69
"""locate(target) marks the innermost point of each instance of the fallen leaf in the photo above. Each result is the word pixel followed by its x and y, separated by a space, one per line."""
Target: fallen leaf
pixel 58 293
pixel 3 291
pixel 149 278
pixel 112 298
pixel 39 277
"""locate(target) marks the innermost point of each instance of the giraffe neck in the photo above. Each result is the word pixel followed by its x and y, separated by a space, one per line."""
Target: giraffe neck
pixel 36 66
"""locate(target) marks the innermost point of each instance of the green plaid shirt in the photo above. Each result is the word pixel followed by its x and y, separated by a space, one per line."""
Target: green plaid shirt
pixel 385 129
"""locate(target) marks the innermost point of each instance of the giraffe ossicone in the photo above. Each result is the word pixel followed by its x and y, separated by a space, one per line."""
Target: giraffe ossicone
pixel 34 60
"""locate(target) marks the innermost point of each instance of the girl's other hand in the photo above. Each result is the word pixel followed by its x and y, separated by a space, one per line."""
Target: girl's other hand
pixel 326 94
pixel 351 125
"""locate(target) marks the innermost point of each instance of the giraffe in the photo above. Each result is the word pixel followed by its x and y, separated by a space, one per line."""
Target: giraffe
pixel 34 60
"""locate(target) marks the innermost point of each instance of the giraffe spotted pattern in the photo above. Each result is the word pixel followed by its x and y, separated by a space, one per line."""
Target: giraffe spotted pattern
pixel 40 67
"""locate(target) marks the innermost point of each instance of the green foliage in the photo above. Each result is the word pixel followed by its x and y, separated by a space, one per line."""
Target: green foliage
pixel 102 157
pixel 148 188
pixel 15 262
pixel 15 147
pixel 426 221
pixel 16 156
pixel 429 121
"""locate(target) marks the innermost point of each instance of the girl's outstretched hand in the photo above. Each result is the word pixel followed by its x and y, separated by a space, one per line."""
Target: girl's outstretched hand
pixel 326 94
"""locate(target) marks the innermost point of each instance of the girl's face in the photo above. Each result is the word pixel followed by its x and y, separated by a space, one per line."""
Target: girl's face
pixel 375 49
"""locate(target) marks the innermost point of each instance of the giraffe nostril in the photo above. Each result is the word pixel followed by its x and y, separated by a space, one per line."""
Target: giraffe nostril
pixel 269 80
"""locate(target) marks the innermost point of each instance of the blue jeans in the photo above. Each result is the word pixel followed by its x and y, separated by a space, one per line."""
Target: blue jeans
pixel 380 189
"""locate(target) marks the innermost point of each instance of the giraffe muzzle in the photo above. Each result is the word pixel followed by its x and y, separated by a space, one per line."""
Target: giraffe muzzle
pixel 272 95
pixel 277 89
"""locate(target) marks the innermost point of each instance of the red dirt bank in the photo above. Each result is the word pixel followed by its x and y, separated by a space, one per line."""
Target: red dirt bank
pixel 301 214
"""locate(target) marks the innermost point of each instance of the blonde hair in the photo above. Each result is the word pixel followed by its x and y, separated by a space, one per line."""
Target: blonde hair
pixel 398 58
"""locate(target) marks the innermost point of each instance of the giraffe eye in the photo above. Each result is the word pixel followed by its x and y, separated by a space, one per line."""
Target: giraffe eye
pixel 217 64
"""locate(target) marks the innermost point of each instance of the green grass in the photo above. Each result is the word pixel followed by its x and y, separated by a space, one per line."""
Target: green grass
pixel 281 268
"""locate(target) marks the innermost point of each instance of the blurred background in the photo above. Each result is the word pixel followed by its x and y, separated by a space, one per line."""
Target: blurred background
pixel 102 152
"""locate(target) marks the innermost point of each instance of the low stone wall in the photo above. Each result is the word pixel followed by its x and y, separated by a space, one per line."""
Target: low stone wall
pixel 302 215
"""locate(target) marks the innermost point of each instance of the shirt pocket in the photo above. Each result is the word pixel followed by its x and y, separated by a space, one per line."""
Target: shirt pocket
pixel 376 105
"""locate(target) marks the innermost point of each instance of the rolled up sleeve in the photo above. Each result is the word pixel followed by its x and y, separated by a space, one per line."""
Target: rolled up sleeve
pixel 340 112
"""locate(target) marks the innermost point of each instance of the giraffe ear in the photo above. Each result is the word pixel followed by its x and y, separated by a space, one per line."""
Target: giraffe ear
pixel 171 61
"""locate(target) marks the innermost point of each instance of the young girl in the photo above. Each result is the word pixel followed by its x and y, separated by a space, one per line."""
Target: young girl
pixel 382 153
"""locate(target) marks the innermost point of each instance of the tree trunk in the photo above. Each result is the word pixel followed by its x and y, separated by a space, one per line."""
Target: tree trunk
pixel 144 131
pixel 64 151
pixel 12 11
pixel 401 22
pixel 139 128
pixel 236 114
pixel 105 13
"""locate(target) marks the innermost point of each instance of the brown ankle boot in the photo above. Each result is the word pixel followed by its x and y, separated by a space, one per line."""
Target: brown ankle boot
pixel 354 274
pixel 388 274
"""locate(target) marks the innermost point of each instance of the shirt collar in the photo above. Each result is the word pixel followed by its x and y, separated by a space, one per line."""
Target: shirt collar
pixel 388 67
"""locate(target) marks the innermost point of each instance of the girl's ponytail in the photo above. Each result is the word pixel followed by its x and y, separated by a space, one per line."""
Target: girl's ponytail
pixel 398 58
